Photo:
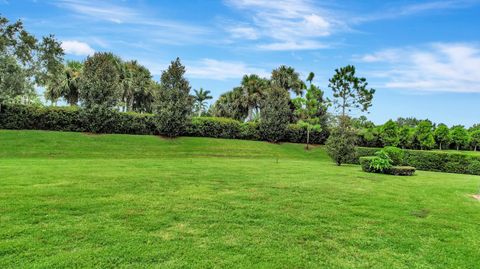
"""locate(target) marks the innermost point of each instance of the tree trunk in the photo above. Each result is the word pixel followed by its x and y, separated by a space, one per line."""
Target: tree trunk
pixel 250 113
pixel 458 147
pixel 308 136
pixel 199 112
pixel 440 146
pixel 474 149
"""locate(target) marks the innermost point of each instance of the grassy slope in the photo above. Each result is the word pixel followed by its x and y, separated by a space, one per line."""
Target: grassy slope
pixel 69 199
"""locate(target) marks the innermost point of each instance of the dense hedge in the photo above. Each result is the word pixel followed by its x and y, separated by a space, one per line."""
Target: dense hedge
pixel 447 162
pixel 102 120
pixel 394 170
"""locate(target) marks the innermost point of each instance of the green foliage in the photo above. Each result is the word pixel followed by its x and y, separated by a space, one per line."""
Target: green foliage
pixel 475 138
pixel 402 170
pixel 288 79
pixel 174 103
pixel 14 81
pixel 309 109
pixel 349 91
pixel 442 136
pixel 138 87
pixel 459 136
pixel 395 154
pixel 424 134
pixel 436 161
pixel 100 83
pixel 340 145
pixel 275 115
pixel 231 104
pixel 200 98
pixel 389 134
pixel 406 136
pixel 380 163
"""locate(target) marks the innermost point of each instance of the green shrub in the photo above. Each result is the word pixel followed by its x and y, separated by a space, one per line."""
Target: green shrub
pixel 395 154
pixel 401 170
pixel 365 163
pixel 296 133
pixel 215 127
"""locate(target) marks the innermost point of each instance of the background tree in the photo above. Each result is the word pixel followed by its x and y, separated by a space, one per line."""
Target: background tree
pixel 288 79
pixel 459 136
pixel 406 137
pixel 424 134
pixel 137 87
pixel 442 136
pixel 475 139
pixel 308 109
pixel 174 104
pixel 389 134
pixel 200 98
pixel 254 88
pixel 26 61
pixel 231 104
pixel 100 83
pixel 349 92
pixel 275 115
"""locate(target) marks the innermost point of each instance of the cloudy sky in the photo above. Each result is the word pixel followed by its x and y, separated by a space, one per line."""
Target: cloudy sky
pixel 423 57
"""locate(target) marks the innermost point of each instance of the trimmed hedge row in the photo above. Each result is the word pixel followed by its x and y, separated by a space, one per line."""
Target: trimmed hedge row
pixel 101 120
pixel 447 162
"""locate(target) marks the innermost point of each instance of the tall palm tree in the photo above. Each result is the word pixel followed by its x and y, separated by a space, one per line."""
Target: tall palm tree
pixel 200 98
pixel 287 78
pixel 66 86
pixel 253 90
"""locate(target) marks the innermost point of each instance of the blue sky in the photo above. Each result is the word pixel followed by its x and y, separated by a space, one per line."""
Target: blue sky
pixel 423 57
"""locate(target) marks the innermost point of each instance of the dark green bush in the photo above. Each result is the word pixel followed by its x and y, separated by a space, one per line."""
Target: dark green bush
pixel 365 163
pixel 298 134
pixel 401 170
pixel 447 162
pixel 215 127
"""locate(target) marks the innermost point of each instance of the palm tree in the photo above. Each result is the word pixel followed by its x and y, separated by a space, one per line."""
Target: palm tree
pixel 67 85
pixel 287 78
pixel 253 90
pixel 231 105
pixel 200 98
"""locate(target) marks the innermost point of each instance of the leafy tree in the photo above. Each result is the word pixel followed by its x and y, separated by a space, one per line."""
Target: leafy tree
pixel 475 138
pixel 67 85
pixel 26 61
pixel 442 135
pixel 100 83
pixel 275 115
pixel 174 104
pixel 288 79
pixel 459 136
pixel 406 136
pixel 409 122
pixel 424 134
pixel 349 92
pixel 253 88
pixel 308 109
pixel 200 97
pixel 390 134
pixel 231 105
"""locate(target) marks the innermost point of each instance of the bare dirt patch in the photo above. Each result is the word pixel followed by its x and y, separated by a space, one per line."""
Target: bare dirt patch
pixel 476 196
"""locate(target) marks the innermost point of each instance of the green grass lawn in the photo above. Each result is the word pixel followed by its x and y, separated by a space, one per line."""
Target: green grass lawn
pixel 109 201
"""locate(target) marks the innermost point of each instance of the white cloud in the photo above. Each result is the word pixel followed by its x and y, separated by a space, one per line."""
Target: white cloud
pixel 440 67
pixel 99 10
pixel 77 48
pixel 222 70
pixel 243 32
pixel 285 22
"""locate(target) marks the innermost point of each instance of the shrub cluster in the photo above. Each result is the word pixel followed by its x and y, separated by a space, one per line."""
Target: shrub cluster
pixel 98 119
pixel 448 162
pixel 376 164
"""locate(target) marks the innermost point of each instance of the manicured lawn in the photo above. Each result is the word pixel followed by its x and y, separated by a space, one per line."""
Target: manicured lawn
pixel 108 201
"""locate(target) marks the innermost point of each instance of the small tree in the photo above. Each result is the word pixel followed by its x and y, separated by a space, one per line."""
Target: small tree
pixel 340 145
pixel 308 108
pixel 100 83
pixel 288 79
pixel 275 114
pixel 459 136
pixel 442 135
pixel 424 134
pixel 390 134
pixel 174 104
pixel 475 139
pixel 349 92
pixel 200 98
